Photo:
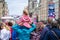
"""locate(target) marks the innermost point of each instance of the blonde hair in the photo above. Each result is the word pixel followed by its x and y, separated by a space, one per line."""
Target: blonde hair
pixel 25 11
pixel 6 26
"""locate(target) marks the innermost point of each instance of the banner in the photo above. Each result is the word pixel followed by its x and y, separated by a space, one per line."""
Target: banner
pixel 51 10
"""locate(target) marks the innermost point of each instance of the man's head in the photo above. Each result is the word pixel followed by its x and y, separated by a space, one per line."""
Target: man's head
pixel 10 24
pixel 49 20
pixel 25 11
pixel 54 24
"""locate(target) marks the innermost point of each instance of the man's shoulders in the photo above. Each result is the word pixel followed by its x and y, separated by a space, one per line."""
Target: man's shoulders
pixel 46 28
pixel 5 30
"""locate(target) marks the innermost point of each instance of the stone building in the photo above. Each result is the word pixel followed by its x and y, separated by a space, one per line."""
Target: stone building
pixel 3 8
pixel 43 5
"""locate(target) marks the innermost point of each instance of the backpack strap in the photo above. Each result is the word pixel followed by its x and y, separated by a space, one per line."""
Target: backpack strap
pixel 55 34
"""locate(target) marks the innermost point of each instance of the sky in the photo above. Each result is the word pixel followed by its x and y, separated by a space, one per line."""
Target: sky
pixel 16 6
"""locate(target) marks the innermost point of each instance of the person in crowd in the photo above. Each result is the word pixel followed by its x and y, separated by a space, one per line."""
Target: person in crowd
pixel 46 28
pixel 54 33
pixel 49 21
pixel 43 28
pixel 4 32
pixel 23 31
pixel 12 32
pixel 36 34
pixel 25 19
pixel 58 20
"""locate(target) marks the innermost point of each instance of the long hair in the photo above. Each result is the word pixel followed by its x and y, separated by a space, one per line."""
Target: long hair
pixel 25 11
pixel 6 26
pixel 39 26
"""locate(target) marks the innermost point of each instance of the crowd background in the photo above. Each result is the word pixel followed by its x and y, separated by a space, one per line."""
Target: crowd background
pixel 42 30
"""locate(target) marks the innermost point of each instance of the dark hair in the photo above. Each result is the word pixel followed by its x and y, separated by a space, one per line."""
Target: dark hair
pixel 10 24
pixel 54 24
pixel 1 24
pixel 58 20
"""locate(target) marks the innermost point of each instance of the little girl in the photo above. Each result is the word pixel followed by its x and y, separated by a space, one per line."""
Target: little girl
pixel 25 20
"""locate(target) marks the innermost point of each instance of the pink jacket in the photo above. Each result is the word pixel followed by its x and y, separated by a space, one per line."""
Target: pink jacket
pixel 26 20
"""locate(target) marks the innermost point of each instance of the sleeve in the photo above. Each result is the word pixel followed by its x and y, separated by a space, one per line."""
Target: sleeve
pixel 15 27
pixel 31 29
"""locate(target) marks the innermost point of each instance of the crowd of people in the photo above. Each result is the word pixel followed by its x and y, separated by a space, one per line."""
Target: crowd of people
pixel 25 29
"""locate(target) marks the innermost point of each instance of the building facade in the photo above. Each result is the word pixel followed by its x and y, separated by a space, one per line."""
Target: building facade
pixel 43 15
pixel 32 7
pixel 42 9
pixel 6 9
pixel 59 8
pixel 3 8
pixel 43 5
pixel 56 8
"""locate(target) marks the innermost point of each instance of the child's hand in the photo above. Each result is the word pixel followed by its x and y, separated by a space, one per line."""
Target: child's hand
pixel 30 22
pixel 21 23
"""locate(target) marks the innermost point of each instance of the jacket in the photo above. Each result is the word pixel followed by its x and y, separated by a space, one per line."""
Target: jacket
pixel 26 21
pixel 44 31
pixel 23 32
pixel 14 35
pixel 50 36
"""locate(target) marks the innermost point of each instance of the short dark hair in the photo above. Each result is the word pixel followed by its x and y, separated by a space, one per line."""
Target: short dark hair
pixel 54 24
pixel 10 23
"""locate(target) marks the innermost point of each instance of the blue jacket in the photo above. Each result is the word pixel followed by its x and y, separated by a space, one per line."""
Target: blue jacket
pixel 44 31
pixel 14 35
pixel 50 36
pixel 23 32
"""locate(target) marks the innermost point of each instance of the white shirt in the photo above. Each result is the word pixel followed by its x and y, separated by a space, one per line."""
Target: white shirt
pixel 5 34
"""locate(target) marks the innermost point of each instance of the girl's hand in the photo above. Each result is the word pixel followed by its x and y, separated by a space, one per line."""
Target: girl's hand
pixel 30 22
pixel 21 24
